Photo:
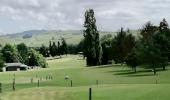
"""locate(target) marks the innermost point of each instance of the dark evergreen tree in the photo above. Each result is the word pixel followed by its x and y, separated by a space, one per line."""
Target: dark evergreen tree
pixel 80 46
pixel 1 62
pixel 58 49
pixel 132 59
pixel 154 47
pixel 53 49
pixel 73 49
pixel 63 46
pixel 147 31
pixel 163 44
pixel 93 50
pixel 106 48
pixel 163 26
pixel 164 33
pixel 122 44
pixel 44 51
pixel 50 48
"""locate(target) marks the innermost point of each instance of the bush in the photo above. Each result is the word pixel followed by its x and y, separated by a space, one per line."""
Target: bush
pixel 36 59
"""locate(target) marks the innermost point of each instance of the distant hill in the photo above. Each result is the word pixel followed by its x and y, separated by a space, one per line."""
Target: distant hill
pixel 39 37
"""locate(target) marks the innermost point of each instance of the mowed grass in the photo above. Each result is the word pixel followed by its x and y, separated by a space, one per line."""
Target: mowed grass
pixel 115 82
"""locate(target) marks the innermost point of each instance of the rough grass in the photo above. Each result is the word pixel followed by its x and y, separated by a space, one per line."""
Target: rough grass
pixel 101 92
pixel 115 82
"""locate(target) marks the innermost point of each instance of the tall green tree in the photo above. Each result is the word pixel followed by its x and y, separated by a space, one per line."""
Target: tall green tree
pixel 23 51
pixel 1 62
pixel 132 59
pixel 59 50
pixel 164 34
pixel 44 51
pixel 10 54
pixel 163 44
pixel 122 44
pixel 53 50
pixel 63 46
pixel 93 49
pixel 36 59
pixel 154 47
pixel 147 31
pixel 32 59
pixel 106 41
pixel 150 55
pixel 50 48
pixel 163 26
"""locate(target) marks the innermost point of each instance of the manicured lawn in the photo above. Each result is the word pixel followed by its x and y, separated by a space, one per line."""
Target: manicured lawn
pixel 115 82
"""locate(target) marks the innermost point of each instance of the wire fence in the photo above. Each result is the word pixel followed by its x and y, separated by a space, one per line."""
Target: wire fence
pixel 49 80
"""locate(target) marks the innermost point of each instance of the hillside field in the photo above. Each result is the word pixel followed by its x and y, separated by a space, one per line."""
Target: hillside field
pixel 40 37
pixel 115 82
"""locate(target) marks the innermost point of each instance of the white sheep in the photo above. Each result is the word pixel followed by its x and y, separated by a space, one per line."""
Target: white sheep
pixel 66 77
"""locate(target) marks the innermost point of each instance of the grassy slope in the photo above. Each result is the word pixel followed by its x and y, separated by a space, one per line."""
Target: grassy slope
pixel 115 83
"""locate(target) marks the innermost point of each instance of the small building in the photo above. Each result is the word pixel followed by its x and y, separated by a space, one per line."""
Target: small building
pixel 15 67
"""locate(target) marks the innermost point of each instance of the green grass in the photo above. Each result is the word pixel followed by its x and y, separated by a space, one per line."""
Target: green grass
pixel 115 82
pixel 101 92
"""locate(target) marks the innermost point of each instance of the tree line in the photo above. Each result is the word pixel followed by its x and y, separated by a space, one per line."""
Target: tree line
pixel 21 54
pixel 151 48
pixel 54 49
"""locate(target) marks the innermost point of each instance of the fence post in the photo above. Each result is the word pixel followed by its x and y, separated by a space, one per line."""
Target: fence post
pixel 97 82
pixel 90 93
pixel 14 75
pixel 13 84
pixel 31 80
pixel 38 83
pixel 71 83
pixel 0 87
pixel 51 77
pixel 46 77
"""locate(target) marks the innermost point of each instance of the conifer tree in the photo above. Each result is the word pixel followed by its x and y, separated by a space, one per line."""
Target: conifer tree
pixel 93 50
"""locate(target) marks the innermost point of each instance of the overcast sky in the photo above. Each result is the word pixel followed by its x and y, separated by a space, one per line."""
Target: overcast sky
pixel 21 15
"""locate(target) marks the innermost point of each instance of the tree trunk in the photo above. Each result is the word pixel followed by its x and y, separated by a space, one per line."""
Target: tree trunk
pixel 135 69
pixel 132 68
pixel 163 67
pixel 154 70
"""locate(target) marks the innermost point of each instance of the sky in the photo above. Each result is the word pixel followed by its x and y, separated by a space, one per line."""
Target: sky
pixel 22 15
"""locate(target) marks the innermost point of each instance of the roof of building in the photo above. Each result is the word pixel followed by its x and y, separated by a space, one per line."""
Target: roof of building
pixel 15 64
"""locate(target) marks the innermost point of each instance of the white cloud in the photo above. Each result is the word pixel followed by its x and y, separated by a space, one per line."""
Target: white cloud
pixel 69 14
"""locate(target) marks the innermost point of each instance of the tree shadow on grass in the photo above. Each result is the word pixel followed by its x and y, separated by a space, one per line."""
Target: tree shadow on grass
pixel 129 73
pixel 102 66
pixel 119 71
pixel 138 75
